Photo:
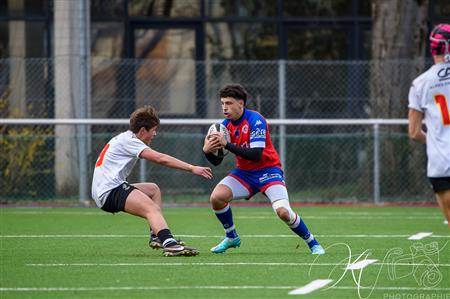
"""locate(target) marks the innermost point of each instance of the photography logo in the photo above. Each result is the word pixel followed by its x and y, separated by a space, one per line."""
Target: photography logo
pixel 423 260
pixel 420 264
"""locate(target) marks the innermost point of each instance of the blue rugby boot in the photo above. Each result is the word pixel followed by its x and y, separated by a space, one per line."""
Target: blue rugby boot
pixel 226 243
pixel 317 250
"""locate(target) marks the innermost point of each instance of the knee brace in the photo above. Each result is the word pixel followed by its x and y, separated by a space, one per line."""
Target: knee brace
pixel 284 203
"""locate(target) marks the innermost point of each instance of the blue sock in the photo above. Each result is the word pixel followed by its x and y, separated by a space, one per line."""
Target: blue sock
pixel 299 227
pixel 225 217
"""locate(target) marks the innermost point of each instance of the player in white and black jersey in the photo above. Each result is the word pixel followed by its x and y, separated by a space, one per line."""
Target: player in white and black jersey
pixel 112 193
pixel 429 99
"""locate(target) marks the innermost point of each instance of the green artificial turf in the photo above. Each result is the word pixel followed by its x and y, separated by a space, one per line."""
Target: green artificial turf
pixel 87 253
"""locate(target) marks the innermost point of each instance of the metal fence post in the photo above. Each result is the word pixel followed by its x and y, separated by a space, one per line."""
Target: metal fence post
pixel 84 95
pixel 142 170
pixel 282 110
pixel 376 163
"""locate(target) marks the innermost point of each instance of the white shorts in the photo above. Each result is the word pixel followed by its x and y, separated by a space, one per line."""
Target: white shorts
pixel 239 191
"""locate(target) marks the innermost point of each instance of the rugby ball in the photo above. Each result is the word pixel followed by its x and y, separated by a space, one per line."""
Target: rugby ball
pixel 217 127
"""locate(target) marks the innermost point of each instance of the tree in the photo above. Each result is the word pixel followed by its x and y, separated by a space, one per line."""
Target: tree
pixel 399 35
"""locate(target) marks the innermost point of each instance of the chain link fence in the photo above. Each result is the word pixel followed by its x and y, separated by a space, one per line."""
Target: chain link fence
pixel 323 163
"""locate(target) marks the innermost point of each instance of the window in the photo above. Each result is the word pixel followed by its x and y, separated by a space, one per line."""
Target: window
pixel 442 8
pixel 3 8
pixel 4 40
pixel 108 76
pixel 107 39
pixel 314 8
pixel 364 8
pixel 317 44
pixel 241 41
pixel 22 39
pixel 16 8
pixel 167 79
pixel 107 7
pixel 164 8
pixel 35 39
pixel 241 8
pixel 165 43
pixel 367 44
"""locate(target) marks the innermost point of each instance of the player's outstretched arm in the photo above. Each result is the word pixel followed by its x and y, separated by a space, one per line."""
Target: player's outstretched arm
pixel 169 161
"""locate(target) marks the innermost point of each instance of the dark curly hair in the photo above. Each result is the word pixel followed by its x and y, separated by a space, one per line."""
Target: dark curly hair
pixel 236 91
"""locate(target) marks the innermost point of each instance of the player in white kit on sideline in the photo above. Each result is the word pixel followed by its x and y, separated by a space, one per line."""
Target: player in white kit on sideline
pixel 429 99
pixel 112 193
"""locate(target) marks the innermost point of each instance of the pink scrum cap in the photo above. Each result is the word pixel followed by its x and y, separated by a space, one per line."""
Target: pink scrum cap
pixel 440 40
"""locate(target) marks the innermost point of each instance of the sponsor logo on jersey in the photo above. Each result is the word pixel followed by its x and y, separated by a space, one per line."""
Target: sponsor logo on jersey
pixel 245 129
pixel 444 72
pixel 267 176
pixel 258 122
pixel 258 133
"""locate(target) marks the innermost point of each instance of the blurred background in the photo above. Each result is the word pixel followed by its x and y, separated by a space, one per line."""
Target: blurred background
pixel 298 59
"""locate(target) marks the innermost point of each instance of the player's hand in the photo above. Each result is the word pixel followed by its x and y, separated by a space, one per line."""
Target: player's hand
pixel 211 143
pixel 221 137
pixel 205 172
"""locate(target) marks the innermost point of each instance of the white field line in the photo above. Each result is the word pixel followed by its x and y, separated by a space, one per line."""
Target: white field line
pixel 419 236
pixel 221 287
pixel 268 214
pixel 215 236
pixel 345 217
pixel 373 213
pixel 53 212
pixel 393 289
pixel 311 287
pixel 361 264
pixel 273 217
pixel 282 264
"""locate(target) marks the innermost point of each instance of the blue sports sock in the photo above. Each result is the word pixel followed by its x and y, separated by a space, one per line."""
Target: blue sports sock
pixel 225 217
pixel 299 227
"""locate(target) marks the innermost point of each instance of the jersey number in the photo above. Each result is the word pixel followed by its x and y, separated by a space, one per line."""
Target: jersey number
pixel 102 156
pixel 441 101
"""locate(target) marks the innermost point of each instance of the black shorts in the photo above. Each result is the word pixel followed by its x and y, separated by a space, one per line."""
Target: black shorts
pixel 115 202
pixel 440 184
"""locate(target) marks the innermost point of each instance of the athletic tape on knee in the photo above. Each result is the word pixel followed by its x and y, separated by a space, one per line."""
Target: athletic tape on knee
pixel 284 203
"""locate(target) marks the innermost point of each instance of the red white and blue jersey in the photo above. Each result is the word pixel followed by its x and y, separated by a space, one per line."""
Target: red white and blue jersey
pixel 252 131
